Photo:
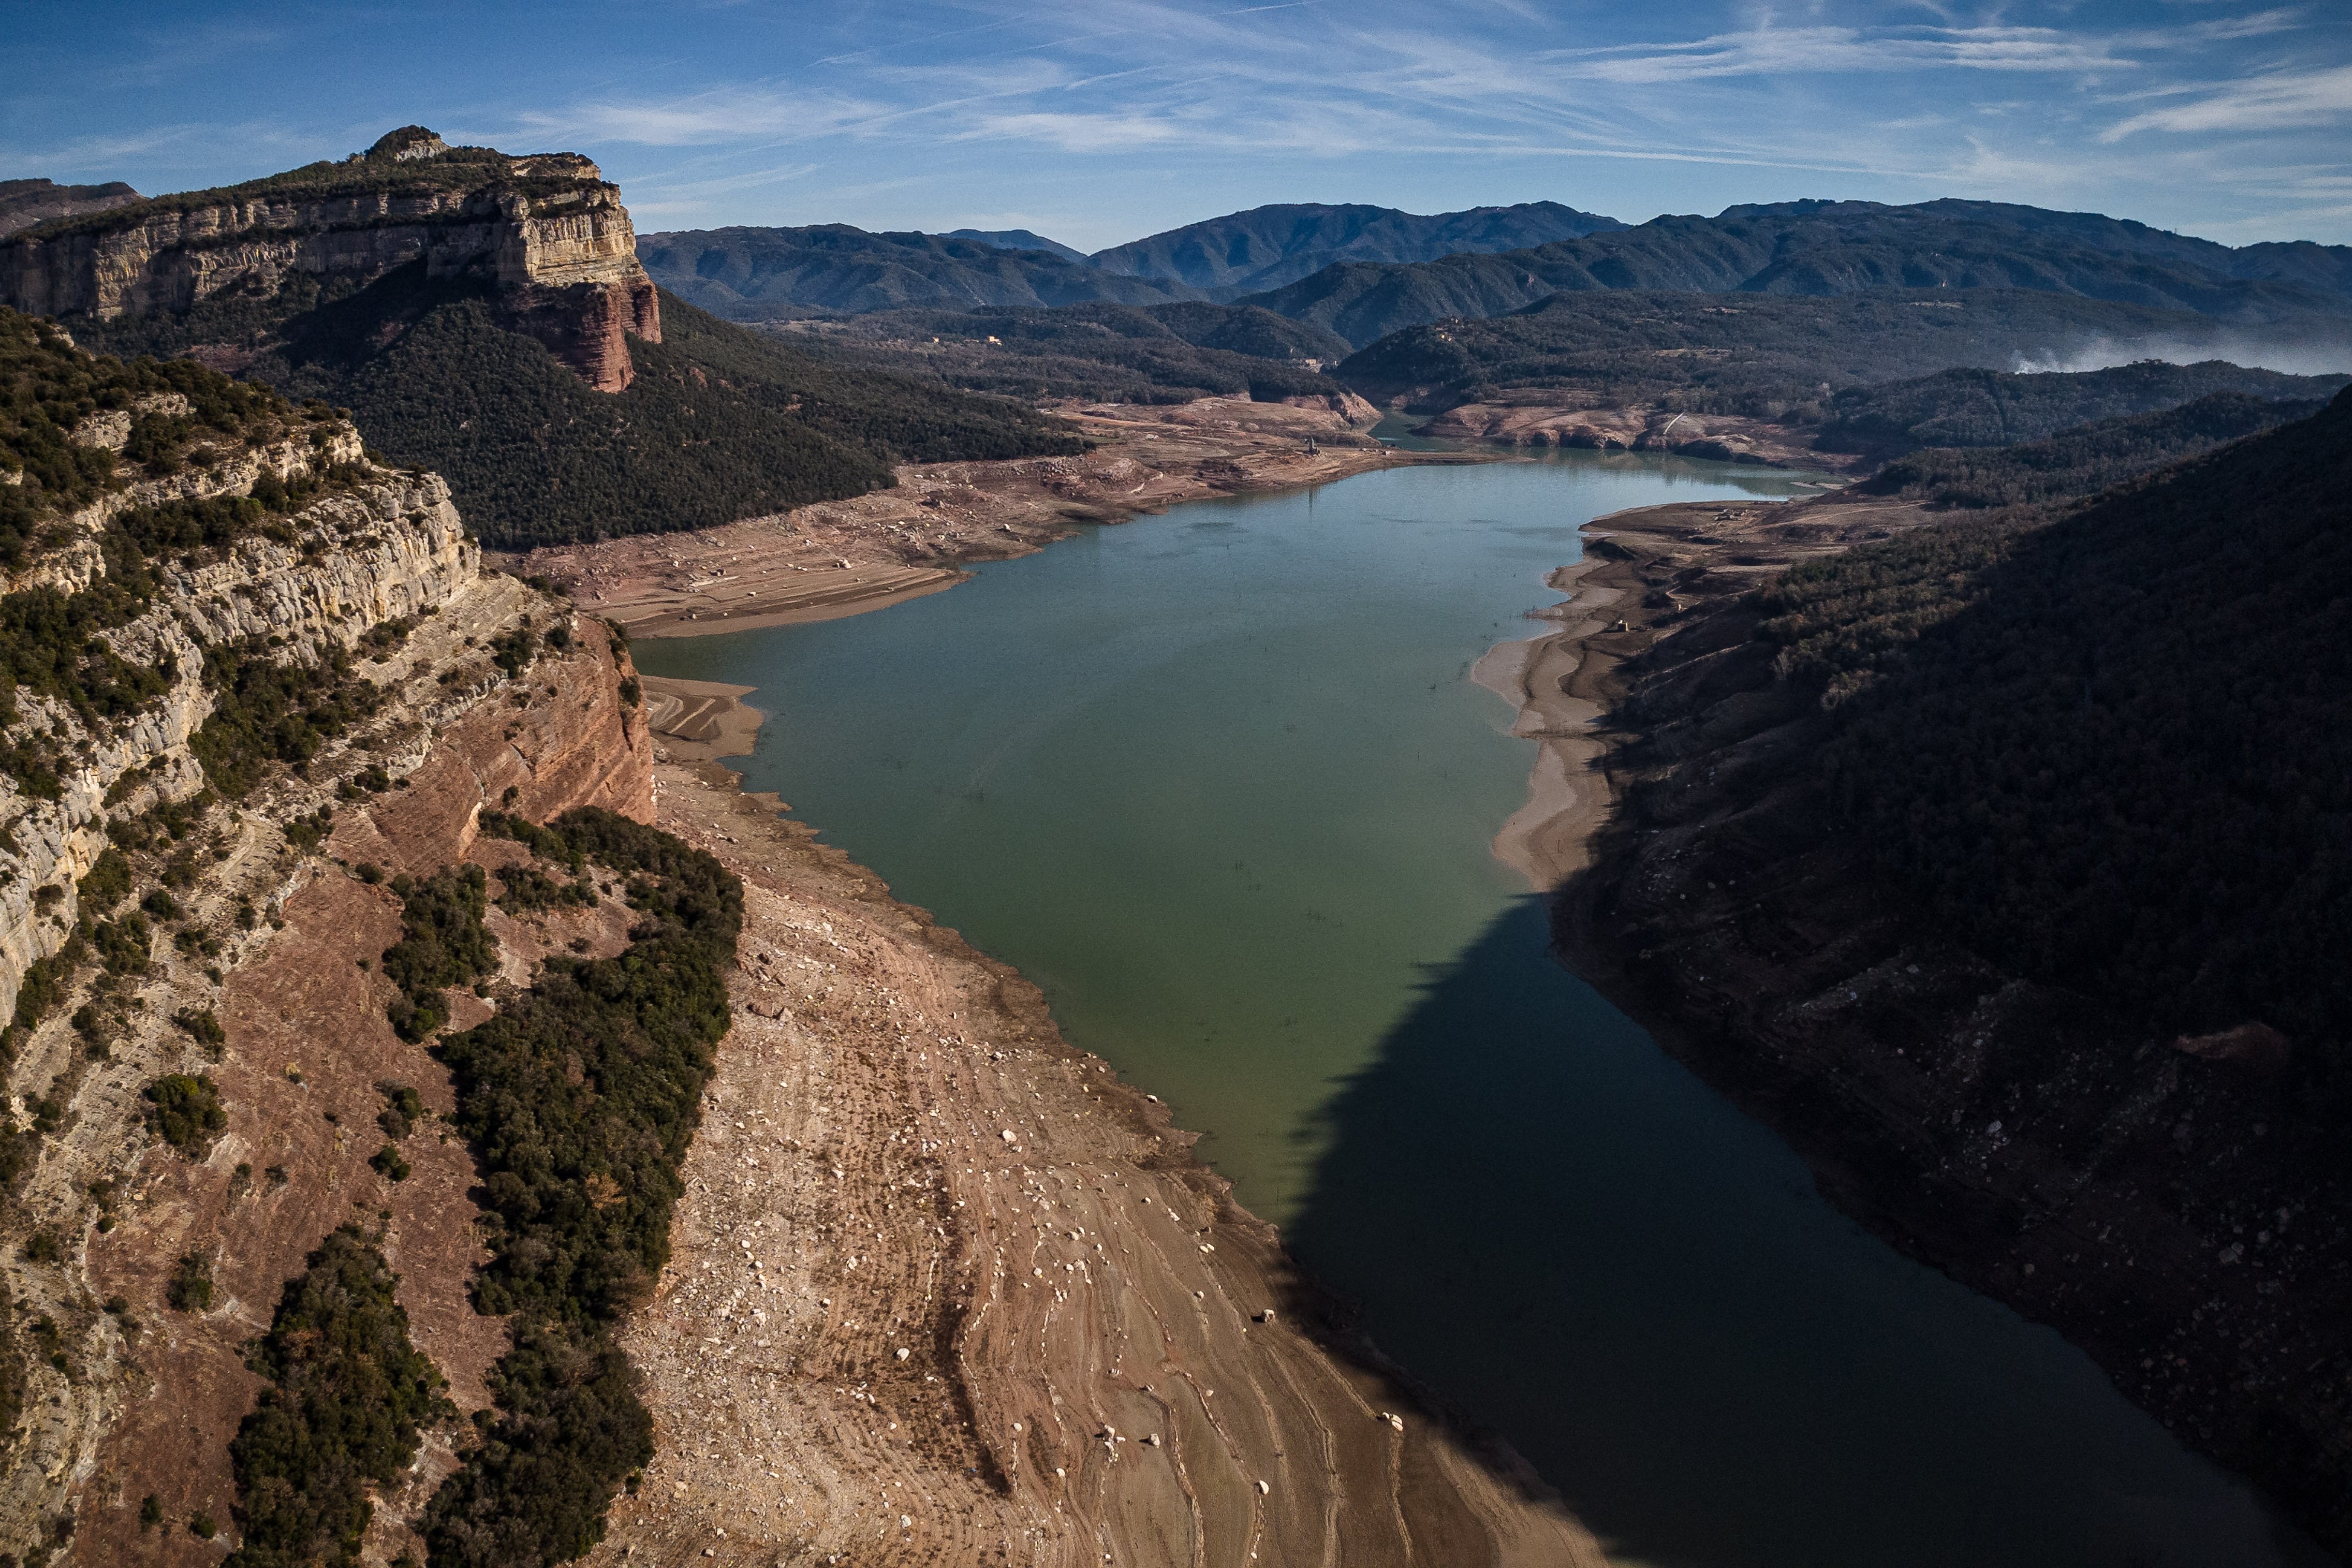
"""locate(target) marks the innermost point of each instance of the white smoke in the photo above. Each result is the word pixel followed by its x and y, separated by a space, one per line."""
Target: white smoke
pixel 2307 357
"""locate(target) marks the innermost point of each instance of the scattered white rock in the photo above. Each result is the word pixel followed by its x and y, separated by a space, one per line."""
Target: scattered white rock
pixel 902 1353
pixel 1263 1489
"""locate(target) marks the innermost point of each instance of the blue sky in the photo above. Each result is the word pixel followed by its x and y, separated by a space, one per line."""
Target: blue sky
pixel 1100 121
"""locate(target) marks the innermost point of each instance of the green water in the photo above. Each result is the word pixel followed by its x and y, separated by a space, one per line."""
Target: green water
pixel 1220 784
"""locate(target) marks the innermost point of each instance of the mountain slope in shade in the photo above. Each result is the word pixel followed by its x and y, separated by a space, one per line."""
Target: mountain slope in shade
pixel 23 203
pixel 1842 248
pixel 1268 246
pixel 764 274
pixel 1017 239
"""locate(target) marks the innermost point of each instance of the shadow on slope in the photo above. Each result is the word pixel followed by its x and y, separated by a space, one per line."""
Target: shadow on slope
pixel 1579 1246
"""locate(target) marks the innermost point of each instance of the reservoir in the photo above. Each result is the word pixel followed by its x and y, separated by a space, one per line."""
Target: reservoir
pixel 1220 782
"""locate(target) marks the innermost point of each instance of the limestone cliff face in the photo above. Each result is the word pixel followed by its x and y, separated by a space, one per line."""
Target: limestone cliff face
pixel 289 974
pixel 392 548
pixel 547 233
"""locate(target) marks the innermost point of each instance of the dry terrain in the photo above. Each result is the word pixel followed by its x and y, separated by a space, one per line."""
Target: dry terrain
pixel 1534 418
pixel 1642 570
pixel 946 1292
pixel 840 558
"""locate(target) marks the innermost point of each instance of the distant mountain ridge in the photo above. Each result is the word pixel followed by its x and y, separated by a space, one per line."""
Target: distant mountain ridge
pixel 23 203
pixel 1268 246
pixel 750 274
pixel 761 274
pixel 1820 248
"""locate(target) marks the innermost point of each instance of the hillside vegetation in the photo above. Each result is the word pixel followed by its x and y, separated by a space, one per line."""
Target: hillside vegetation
pixel 1978 407
pixel 2116 748
pixel 580 1099
pixel 2081 461
pixel 1268 246
pixel 1155 353
pixel 720 422
pixel 1819 249
pixel 779 274
pixel 1765 356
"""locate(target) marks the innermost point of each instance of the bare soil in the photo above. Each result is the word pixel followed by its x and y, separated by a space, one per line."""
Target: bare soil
pixel 945 1290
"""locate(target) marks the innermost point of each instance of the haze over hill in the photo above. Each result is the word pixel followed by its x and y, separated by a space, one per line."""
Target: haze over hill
pixel 1017 239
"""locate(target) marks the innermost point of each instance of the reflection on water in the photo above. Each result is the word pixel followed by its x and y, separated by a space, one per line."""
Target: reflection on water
pixel 1220 784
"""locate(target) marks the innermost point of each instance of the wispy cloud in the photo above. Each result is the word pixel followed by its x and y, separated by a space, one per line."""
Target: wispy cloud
pixel 2270 101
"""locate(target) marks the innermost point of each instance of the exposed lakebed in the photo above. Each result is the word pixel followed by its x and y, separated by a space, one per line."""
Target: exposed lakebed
pixel 1220 782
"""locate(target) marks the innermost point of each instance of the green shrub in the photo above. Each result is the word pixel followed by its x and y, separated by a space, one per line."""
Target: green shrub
pixel 580 1099
pixel 349 1393
pixel 443 944
pixel 267 711
pixel 191 1285
pixel 122 944
pixel 185 1112
pixel 107 883
pixel 204 1029
pixel 403 1106
pixel 571 1428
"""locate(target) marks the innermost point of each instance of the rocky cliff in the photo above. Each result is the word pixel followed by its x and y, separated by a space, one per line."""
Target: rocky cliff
pixel 547 233
pixel 309 672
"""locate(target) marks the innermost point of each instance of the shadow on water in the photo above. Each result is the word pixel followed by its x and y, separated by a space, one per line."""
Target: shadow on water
pixel 1587 1251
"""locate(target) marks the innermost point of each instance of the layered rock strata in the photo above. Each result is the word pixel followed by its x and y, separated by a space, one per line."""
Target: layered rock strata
pixel 548 234
pixel 142 1402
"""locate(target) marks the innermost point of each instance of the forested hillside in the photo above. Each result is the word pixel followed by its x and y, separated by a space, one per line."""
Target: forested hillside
pixel 720 422
pixel 1824 248
pixel 1268 246
pixel 1156 353
pixel 776 274
pixel 2116 748
pixel 1976 407
pixel 1758 354
pixel 2081 461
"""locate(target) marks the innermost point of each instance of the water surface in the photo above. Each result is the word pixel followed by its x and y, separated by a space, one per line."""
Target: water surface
pixel 1220 784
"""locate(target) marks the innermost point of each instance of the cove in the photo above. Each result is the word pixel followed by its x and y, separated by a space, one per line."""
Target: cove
pixel 1219 783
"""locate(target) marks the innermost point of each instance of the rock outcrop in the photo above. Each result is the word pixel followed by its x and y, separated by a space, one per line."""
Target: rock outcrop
pixel 547 233
pixel 142 1402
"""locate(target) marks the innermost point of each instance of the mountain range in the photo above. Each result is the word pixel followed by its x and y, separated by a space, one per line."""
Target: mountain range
pixel 1820 248
pixel 765 274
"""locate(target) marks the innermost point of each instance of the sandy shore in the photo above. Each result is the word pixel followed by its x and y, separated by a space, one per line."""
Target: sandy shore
pixel 944 1291
pixel 1642 570
pixel 843 558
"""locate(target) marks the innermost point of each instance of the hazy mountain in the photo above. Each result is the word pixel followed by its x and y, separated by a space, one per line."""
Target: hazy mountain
pixel 761 274
pixel 23 203
pixel 1017 239
pixel 1268 246
pixel 1840 248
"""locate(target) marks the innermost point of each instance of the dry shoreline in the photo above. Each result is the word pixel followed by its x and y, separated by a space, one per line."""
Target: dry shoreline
pixel 943 1289
pixel 843 558
pixel 1562 681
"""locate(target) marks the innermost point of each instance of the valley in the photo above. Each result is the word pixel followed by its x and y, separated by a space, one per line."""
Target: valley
pixel 1187 1078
